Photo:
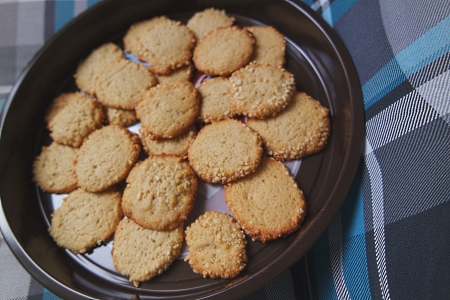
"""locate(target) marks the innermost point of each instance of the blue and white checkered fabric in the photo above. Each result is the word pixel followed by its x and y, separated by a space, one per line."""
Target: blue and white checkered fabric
pixel 391 237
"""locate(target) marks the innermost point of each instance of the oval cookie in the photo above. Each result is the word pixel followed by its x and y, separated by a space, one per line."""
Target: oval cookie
pixel 85 220
pixel 270 46
pixel 169 109
pixel 301 129
pixel 261 91
pixel 217 246
pixel 178 145
pixel 143 253
pixel 106 157
pixel 207 20
pixel 268 203
pixel 72 117
pixel 225 151
pixel 89 68
pixel 166 45
pixel 223 51
pixel 53 169
pixel 160 192
pixel 121 83
pixel 216 101
pixel 131 39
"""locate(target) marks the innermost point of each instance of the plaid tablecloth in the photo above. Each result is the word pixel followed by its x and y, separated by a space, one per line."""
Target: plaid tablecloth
pixel 391 237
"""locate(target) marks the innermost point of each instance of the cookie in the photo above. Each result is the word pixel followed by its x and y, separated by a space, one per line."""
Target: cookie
pixel 216 101
pixel 53 169
pixel 89 68
pixel 106 157
pixel 72 117
pixel 183 73
pixel 121 83
pixel 267 204
pixel 270 46
pixel 160 192
pixel 223 51
pixel 261 91
pixel 207 20
pixel 85 220
pixel 169 109
pixel 225 151
pixel 165 45
pixel 299 130
pixel 217 246
pixel 174 146
pixel 131 38
pixel 122 117
pixel 143 253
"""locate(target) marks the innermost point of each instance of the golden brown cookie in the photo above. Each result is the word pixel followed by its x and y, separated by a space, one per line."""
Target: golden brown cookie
pixel 173 146
pixel 106 157
pixel 216 101
pixel 217 246
pixel 301 129
pixel 223 51
pixel 270 46
pixel 121 83
pixel 160 192
pixel 164 44
pixel 72 117
pixel 261 91
pixel 169 109
pixel 207 20
pixel 225 151
pixel 268 203
pixel 85 220
pixel 183 73
pixel 122 117
pixel 53 169
pixel 89 68
pixel 131 38
pixel 143 253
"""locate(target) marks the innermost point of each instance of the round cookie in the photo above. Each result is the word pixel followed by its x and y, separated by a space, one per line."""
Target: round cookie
pixel 131 38
pixel 261 91
pixel 216 101
pixel 270 46
pixel 217 246
pixel 106 157
pixel 53 169
pixel 165 45
pixel 169 109
pixel 183 73
pixel 301 129
pixel 160 192
pixel 174 146
pixel 72 117
pixel 143 253
pixel 122 117
pixel 121 83
pixel 223 51
pixel 89 68
pixel 268 203
pixel 207 20
pixel 225 151
pixel 85 220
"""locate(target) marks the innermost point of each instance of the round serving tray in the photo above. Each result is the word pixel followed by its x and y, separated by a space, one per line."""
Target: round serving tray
pixel 322 68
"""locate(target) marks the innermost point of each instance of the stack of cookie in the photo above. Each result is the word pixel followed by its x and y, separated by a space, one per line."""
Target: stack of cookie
pixel 214 105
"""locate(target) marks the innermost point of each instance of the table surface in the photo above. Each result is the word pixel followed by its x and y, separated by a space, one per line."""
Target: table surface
pixel 391 237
